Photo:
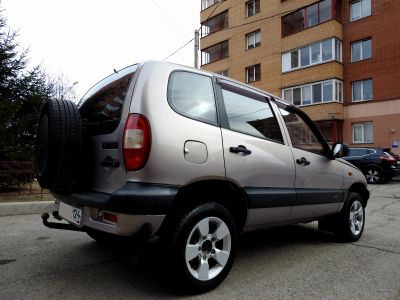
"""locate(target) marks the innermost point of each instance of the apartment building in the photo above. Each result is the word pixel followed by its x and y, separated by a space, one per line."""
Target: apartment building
pixel 338 60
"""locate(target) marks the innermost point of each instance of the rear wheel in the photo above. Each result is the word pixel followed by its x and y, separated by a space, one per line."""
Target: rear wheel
pixel 374 175
pixel 203 248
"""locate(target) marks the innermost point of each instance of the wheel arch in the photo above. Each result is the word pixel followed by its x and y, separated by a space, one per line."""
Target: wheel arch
pixel 224 192
pixel 360 189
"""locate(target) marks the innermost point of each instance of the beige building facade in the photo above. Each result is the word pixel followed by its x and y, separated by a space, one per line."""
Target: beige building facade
pixel 309 52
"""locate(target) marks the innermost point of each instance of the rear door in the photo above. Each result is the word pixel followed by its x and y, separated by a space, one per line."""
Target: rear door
pixel 256 157
pixel 319 178
pixel 104 109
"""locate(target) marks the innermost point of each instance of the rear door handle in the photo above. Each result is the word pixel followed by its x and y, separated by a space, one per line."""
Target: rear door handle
pixel 239 149
pixel 302 161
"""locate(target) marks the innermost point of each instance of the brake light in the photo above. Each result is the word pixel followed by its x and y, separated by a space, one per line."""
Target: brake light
pixel 389 158
pixel 136 142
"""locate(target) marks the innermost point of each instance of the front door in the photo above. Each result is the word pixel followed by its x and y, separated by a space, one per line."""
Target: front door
pixel 319 178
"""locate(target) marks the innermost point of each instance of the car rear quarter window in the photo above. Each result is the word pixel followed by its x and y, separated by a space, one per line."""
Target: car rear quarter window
pixel 192 95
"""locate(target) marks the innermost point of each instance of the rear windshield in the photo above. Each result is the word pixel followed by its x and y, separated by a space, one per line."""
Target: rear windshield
pixel 101 108
pixel 390 153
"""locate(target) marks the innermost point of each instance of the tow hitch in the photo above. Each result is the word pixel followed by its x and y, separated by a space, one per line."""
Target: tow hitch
pixel 55 225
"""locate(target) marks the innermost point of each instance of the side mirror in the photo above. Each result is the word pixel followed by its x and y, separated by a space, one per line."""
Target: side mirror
pixel 339 150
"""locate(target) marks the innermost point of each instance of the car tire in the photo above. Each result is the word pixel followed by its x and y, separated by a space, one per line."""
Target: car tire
pixel 374 175
pixel 202 248
pixel 350 222
pixel 58 145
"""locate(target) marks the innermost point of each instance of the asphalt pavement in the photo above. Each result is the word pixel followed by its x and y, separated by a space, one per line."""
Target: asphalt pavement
pixel 292 262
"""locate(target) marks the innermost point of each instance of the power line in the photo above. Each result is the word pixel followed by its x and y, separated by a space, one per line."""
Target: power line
pixel 168 18
pixel 209 16
pixel 178 49
pixel 262 19
pixel 219 2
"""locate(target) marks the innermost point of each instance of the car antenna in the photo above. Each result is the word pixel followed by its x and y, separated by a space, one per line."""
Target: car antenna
pixel 115 71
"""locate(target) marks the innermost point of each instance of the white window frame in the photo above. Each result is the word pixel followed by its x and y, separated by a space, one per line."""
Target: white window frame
pixel 252 69
pixel 337 96
pixel 362 90
pixel 361 50
pixel 252 3
pixel 336 55
pixel 255 34
pixel 362 2
pixel 207 3
pixel 363 140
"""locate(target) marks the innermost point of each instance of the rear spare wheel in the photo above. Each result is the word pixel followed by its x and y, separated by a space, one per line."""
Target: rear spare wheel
pixel 58 145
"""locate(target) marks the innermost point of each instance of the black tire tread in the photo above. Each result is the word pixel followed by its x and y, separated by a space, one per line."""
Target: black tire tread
pixel 65 144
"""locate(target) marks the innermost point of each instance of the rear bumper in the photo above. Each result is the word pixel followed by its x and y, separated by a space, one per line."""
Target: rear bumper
pixel 392 172
pixel 135 205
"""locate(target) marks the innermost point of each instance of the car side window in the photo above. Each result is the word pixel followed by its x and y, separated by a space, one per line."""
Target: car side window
pixel 301 135
pixel 358 152
pixel 192 95
pixel 251 114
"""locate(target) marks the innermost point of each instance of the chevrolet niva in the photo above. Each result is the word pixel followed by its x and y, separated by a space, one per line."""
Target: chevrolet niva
pixel 159 149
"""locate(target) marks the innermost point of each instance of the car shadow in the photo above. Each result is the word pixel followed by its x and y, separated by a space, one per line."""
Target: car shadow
pixel 146 272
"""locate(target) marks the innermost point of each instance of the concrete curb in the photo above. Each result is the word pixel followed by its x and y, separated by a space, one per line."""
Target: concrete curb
pixel 25 208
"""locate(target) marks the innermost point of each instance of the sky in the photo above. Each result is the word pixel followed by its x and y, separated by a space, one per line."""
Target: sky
pixel 86 39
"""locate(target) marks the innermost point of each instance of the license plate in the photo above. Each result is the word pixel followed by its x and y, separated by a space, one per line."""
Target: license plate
pixel 76 216
pixel 70 213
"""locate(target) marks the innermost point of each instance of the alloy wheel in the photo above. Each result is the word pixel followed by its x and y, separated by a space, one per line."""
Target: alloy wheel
pixel 373 176
pixel 208 248
pixel 356 218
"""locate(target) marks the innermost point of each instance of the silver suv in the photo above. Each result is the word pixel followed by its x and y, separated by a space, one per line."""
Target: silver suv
pixel 158 149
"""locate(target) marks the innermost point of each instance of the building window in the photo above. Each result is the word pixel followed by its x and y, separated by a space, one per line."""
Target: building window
pixel 215 24
pixel 224 73
pixel 310 16
pixel 314 54
pixel 360 9
pixel 253 73
pixel 317 92
pixel 207 3
pixel 253 39
pixel 361 50
pixel 252 7
pixel 215 52
pixel 362 90
pixel 363 132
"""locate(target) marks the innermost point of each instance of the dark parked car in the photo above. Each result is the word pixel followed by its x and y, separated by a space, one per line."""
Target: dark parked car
pixel 378 164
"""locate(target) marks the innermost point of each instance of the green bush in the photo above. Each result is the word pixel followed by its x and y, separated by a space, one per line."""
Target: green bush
pixel 15 173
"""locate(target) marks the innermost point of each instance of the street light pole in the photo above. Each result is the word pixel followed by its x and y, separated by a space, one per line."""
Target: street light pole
pixel 196 49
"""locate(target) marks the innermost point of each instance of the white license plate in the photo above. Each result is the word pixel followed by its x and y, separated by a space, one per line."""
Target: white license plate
pixel 70 213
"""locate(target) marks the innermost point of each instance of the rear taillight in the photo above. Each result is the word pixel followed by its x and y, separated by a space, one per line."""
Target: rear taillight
pixel 389 158
pixel 136 142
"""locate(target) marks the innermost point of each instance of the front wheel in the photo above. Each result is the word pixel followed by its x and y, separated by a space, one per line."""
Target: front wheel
pixel 203 248
pixel 351 221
